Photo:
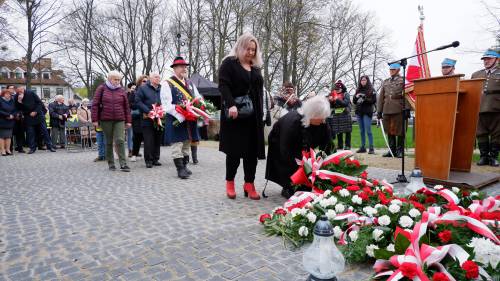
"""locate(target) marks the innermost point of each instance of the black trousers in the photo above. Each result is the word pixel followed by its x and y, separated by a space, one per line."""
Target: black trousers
pixel 32 132
pixel 152 142
pixel 19 133
pixel 137 139
pixel 340 138
pixel 249 168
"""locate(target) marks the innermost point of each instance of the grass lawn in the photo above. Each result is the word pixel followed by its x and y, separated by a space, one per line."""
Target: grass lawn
pixel 378 139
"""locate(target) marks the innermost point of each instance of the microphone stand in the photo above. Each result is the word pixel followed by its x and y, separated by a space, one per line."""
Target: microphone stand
pixel 401 178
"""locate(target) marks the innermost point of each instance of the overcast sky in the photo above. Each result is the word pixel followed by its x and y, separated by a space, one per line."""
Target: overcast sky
pixel 445 21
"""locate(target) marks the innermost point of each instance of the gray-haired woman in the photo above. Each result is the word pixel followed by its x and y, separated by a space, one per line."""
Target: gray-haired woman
pixel 111 112
pixel 293 133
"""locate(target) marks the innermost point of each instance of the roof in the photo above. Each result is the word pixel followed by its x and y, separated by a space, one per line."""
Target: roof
pixel 205 86
pixel 56 76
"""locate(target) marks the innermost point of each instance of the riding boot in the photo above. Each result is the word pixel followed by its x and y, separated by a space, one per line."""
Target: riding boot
pixel 400 147
pixel 181 170
pixel 484 151
pixel 392 144
pixel 194 153
pixel 495 148
pixel 185 161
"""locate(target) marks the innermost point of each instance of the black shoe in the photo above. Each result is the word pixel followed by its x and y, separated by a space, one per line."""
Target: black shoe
pixel 21 151
pixel 483 161
pixel 52 149
pixel 62 147
pixel 194 154
pixel 156 163
pixel 125 168
pixel 112 168
pixel 42 148
pixel 31 151
pixel 149 165
pixel 347 148
pixel 181 170
pixel 493 162
pixel 371 151
pixel 387 154
pixel 361 150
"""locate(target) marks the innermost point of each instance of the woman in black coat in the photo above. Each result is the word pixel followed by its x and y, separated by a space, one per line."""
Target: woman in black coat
pixel 340 121
pixel 293 133
pixel 239 75
pixel 7 120
pixel 364 99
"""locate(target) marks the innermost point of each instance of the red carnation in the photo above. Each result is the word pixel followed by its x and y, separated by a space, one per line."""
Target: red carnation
pixel 490 215
pixel 280 211
pixel 337 188
pixel 368 191
pixel 413 197
pixel 375 182
pixel 336 161
pixel 264 218
pixel 465 193
pixel 439 276
pixel 363 196
pixel 356 163
pixel 471 269
pixel 348 161
pixel 353 188
pixel 420 191
pixel 364 175
pixel 444 236
pixel 408 269
pixel 428 192
pixel 417 205
pixel 430 200
pixel 382 198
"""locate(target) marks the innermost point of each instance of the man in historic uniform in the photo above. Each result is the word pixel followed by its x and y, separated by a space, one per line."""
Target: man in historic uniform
pixel 179 131
pixel 389 110
pixel 448 67
pixel 488 127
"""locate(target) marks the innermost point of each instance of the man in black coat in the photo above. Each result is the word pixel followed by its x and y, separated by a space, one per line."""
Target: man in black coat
pixel 59 113
pixel 33 110
pixel 293 133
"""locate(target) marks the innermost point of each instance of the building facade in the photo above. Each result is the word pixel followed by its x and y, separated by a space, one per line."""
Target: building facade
pixel 46 82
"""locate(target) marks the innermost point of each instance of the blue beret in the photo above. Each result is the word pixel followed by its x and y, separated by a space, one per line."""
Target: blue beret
pixel 448 62
pixel 394 66
pixel 490 53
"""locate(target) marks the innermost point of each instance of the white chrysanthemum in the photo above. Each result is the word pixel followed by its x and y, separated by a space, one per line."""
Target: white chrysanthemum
pixel 337 231
pixel 485 251
pixel 474 194
pixel 357 200
pixel 344 192
pixel 333 200
pixel 390 248
pixel 327 192
pixel 370 249
pixel 394 208
pixel 455 190
pixel 309 206
pixel 384 220
pixel 414 213
pixel 299 211
pixel 397 202
pixel 339 208
pixel 405 221
pixel 378 206
pixel 377 234
pixel 369 211
pixel 351 208
pixel 353 235
pixel 325 203
pixel 438 187
pixel 330 214
pixel 311 217
pixel 303 231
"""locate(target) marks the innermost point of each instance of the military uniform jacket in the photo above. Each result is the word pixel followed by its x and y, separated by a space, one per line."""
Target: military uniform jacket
pixel 490 99
pixel 391 97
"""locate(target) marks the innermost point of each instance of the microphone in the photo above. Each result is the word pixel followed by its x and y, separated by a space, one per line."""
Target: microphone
pixel 454 45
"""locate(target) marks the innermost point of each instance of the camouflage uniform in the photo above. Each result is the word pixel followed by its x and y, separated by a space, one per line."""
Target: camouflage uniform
pixel 389 107
pixel 488 127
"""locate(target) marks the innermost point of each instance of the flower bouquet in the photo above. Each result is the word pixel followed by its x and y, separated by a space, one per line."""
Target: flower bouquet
pixel 157 114
pixel 453 236
pixel 196 110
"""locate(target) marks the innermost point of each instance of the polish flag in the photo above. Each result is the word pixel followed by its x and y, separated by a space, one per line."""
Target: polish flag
pixel 418 67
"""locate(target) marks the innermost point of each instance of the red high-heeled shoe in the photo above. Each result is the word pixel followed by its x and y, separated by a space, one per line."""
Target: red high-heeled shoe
pixel 249 189
pixel 231 194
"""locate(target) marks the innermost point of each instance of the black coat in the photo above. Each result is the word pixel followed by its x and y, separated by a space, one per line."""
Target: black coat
pixel 136 113
pixel 7 108
pixel 241 137
pixel 364 99
pixel 287 140
pixel 56 110
pixel 145 97
pixel 31 103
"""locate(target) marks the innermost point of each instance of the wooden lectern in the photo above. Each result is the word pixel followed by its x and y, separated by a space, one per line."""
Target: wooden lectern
pixel 447 111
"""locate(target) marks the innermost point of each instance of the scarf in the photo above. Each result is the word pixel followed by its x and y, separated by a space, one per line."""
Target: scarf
pixel 111 86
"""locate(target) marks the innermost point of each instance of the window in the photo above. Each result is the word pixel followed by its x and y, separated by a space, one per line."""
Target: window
pixel 5 74
pixel 19 75
pixel 59 91
pixel 46 93
pixel 46 75
pixel 33 75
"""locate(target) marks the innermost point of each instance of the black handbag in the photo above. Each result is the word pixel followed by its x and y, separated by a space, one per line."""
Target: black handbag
pixel 268 112
pixel 244 105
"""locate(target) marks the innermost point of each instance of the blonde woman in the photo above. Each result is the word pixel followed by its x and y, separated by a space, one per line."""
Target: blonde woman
pixel 242 136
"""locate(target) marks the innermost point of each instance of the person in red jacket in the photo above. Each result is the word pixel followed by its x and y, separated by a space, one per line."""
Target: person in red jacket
pixel 111 112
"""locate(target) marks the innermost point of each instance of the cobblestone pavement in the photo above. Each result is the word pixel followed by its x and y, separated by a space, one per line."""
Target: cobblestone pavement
pixel 63 217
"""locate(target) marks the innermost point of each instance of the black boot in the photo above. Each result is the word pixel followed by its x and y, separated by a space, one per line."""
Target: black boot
pixel 484 150
pixel 194 153
pixel 181 170
pixel 361 150
pixel 392 145
pixel 185 161
pixel 400 147
pixel 371 150
pixel 495 148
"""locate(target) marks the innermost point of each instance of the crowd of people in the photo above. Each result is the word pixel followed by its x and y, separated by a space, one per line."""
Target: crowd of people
pixel 131 116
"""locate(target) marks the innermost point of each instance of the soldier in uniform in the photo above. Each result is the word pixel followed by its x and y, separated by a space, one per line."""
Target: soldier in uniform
pixel 488 127
pixel 448 67
pixel 389 110
pixel 179 131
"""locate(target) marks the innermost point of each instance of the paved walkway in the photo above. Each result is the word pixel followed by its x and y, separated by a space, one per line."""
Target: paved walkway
pixel 63 217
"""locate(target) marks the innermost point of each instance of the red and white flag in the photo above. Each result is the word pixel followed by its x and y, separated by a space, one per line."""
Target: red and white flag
pixel 418 67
